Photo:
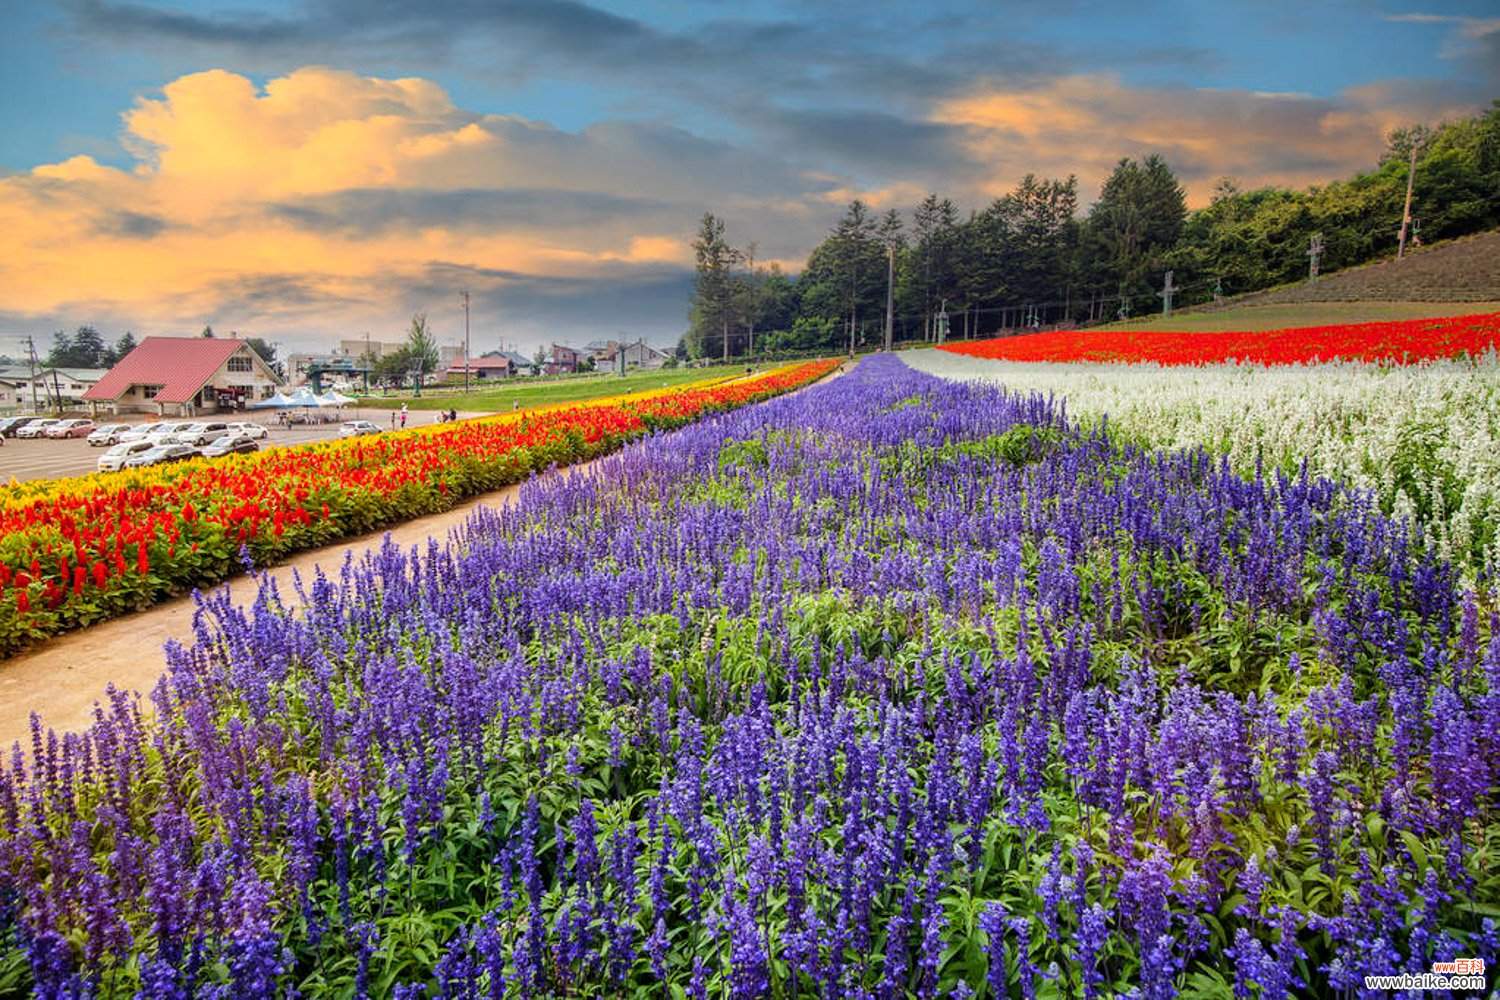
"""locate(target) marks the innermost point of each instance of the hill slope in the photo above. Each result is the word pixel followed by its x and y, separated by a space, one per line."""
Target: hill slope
pixel 1447 279
pixel 1462 270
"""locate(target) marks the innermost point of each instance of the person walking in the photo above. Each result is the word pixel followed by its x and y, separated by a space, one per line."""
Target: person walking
pixel 403 416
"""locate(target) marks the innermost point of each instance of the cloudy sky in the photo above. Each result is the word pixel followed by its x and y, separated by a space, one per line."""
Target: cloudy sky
pixel 308 170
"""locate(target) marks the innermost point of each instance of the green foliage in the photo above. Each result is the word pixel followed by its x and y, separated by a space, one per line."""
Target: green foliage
pixel 1030 247
pixel 83 348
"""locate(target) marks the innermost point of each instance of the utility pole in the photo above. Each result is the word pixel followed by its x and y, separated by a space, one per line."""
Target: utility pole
pixel 1314 252
pixel 467 362
pixel 1166 295
pixel 1411 173
pixel 890 293
pixel 31 349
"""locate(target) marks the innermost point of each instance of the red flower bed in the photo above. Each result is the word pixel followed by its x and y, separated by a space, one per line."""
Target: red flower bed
pixel 1402 342
pixel 78 551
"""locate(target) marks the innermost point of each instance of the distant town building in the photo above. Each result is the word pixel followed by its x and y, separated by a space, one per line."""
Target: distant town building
pixel 640 355
pixel 172 376
pixel 54 386
pixel 356 347
pixel 561 360
pixel 483 368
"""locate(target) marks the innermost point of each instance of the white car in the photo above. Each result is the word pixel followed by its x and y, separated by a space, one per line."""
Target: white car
pixel 357 428
pixel 167 433
pixel 141 431
pixel 115 458
pixel 36 428
pixel 250 429
pixel 107 434
pixel 201 433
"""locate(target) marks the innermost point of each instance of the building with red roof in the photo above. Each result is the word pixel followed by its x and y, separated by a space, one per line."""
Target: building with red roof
pixel 480 368
pixel 182 376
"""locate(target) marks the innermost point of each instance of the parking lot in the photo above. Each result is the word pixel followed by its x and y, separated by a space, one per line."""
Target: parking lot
pixel 49 458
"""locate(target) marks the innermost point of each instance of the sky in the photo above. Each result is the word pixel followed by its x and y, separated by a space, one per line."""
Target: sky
pixel 312 170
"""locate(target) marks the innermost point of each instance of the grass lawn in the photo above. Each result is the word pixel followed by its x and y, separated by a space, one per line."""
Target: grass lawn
pixel 1289 314
pixel 524 393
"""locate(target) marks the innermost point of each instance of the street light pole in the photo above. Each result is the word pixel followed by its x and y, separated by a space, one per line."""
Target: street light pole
pixel 465 295
pixel 890 293
pixel 1411 171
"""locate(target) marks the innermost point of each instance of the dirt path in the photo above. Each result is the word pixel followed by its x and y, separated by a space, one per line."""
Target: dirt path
pixel 62 678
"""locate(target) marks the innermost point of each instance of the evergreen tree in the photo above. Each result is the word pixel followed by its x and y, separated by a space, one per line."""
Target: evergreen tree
pixel 421 349
pixel 124 345
pixel 713 304
pixel 1138 217
pixel 82 349
pixel 935 233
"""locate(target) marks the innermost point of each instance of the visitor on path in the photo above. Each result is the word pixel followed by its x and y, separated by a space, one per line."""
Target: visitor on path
pixel 452 414
pixel 403 416
pixel 393 420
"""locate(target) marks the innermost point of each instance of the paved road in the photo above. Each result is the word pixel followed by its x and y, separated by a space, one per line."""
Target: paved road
pixel 24 460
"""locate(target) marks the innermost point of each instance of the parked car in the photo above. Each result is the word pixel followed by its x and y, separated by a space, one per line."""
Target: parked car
pixel 231 444
pixel 9 425
pixel 161 454
pixel 167 432
pixel 141 431
pixel 74 427
pixel 250 428
pixel 201 433
pixel 357 428
pixel 107 434
pixel 115 458
pixel 37 427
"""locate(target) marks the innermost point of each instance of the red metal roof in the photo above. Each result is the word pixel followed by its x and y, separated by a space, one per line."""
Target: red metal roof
pixel 180 365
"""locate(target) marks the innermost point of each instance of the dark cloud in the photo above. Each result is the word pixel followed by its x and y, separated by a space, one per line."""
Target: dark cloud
pixel 144 22
pixel 370 211
pixel 740 68
pixel 642 301
pixel 130 225
pixel 254 298
pixel 886 141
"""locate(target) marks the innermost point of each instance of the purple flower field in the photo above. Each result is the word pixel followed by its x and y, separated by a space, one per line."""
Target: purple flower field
pixel 889 688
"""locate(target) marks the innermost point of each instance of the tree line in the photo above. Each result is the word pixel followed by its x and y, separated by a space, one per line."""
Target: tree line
pixel 1030 258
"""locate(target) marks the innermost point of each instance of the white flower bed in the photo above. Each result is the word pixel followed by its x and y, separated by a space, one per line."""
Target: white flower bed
pixel 1424 439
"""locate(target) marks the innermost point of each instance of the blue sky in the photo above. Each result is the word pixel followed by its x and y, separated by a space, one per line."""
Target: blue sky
pixel 598 134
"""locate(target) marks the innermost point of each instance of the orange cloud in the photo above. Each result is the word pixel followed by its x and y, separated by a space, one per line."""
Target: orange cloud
pixel 1083 124
pixel 334 189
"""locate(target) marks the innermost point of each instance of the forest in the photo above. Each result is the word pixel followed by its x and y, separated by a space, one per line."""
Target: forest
pixel 1033 258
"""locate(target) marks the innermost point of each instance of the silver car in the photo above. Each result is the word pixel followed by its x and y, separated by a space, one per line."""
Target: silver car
pixel 200 434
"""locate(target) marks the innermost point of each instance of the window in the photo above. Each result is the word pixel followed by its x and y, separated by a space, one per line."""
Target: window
pixel 241 363
pixel 150 391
